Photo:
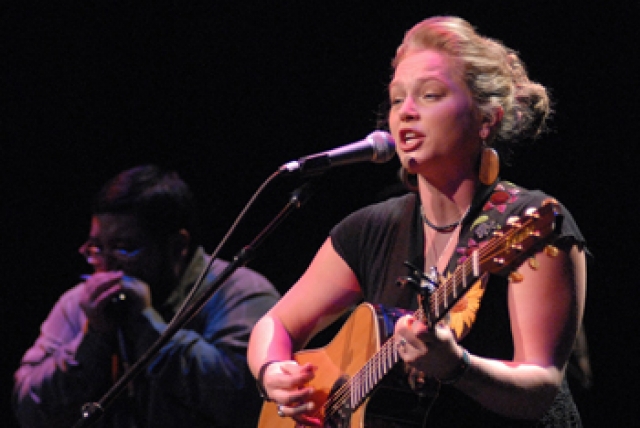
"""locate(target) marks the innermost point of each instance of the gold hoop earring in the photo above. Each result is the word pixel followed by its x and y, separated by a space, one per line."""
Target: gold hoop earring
pixel 489 165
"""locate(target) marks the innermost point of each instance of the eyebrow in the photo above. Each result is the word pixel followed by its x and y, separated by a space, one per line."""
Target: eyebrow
pixel 420 81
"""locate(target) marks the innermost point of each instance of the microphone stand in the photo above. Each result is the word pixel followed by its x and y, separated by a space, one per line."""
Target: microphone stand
pixel 91 412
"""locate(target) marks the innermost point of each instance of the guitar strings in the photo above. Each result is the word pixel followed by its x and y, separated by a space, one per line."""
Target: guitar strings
pixel 362 380
pixel 389 353
pixel 367 377
pixel 441 293
pixel 344 392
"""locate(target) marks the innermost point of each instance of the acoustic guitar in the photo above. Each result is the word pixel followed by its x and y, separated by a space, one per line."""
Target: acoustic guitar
pixel 364 350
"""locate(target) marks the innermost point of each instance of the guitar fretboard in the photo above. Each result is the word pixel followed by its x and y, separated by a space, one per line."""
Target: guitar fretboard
pixel 445 296
pixel 356 389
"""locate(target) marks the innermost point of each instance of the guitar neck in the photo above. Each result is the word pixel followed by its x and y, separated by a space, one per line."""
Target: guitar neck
pixel 508 248
pixel 362 383
pixel 447 294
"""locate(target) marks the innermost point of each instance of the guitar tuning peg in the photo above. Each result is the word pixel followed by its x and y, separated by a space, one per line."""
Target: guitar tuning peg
pixel 513 221
pixel 515 277
pixel 533 263
pixel 551 251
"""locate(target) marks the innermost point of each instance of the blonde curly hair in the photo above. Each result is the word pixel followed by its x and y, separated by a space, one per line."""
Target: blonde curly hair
pixel 494 74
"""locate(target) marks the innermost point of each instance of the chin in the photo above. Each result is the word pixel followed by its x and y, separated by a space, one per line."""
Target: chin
pixel 410 164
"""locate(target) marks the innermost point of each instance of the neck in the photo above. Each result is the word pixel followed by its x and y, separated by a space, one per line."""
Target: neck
pixel 439 247
pixel 444 205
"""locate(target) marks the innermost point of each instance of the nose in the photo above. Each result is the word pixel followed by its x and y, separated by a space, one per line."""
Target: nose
pixel 97 260
pixel 408 111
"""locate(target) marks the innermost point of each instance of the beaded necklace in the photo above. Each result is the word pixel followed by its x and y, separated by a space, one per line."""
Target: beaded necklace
pixel 447 227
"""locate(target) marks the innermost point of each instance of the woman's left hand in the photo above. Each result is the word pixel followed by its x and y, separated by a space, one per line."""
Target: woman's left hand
pixel 433 352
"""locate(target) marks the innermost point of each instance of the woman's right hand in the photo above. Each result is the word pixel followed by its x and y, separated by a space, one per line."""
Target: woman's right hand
pixel 285 384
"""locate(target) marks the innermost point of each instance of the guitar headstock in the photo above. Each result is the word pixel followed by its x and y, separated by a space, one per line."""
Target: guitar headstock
pixel 518 240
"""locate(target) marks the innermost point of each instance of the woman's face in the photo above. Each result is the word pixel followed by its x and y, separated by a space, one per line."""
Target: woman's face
pixel 432 116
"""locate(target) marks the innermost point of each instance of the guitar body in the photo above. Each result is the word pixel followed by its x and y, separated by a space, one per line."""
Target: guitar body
pixel 357 341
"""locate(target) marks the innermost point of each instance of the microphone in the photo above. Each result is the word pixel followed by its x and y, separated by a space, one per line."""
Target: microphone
pixel 378 147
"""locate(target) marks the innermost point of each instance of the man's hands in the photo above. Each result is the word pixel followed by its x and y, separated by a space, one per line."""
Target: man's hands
pixel 101 292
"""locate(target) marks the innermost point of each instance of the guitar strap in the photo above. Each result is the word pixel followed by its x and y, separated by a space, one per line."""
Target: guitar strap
pixel 475 214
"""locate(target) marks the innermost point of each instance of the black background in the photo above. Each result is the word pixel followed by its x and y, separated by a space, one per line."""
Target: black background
pixel 227 91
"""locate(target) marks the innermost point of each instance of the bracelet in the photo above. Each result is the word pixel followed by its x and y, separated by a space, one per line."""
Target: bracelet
pixel 463 367
pixel 260 380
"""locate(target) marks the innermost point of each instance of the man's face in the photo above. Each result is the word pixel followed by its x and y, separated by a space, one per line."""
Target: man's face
pixel 117 242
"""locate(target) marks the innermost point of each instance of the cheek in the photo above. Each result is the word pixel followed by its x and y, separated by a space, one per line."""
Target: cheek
pixel 154 269
pixel 393 122
pixel 99 267
pixel 455 121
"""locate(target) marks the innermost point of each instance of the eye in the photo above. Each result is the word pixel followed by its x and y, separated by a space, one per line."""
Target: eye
pixel 396 95
pixel 126 252
pixel 126 249
pixel 431 95
pixel 394 101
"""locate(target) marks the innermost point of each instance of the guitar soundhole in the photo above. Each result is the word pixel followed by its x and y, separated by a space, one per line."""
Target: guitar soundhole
pixel 338 414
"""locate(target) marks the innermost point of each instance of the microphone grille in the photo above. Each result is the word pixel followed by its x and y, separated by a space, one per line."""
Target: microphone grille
pixel 384 148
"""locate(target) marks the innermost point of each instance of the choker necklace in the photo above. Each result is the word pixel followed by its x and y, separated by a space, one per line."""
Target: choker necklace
pixel 446 227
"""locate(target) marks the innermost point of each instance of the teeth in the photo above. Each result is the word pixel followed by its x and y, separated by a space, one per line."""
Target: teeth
pixel 410 135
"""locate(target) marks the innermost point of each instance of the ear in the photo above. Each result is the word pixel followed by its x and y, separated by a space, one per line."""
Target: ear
pixel 179 245
pixel 179 250
pixel 490 122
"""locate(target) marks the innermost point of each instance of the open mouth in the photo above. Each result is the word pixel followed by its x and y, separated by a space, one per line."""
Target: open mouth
pixel 410 139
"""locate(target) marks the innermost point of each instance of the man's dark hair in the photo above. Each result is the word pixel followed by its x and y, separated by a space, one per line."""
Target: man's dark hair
pixel 158 198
